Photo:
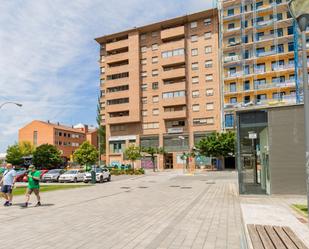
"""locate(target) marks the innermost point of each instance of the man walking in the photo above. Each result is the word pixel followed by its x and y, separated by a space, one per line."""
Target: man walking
pixel 7 182
pixel 33 185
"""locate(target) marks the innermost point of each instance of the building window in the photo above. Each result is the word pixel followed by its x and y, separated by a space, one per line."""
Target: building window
pixel 231 26
pixel 144 87
pixel 144 74
pixel 208 49
pixel 171 53
pixel 144 61
pixel 194 52
pixel 118 101
pixel 154 33
pixel 196 107
pixel 229 120
pixel 203 121
pixel 246 85
pixel 143 49
pixel 144 113
pixel 230 12
pixel 207 21
pixel 195 94
pixel 233 87
pixel 194 66
pixel 155 72
pixel 173 94
pixel 209 92
pixel 207 35
pixel 35 138
pixel 193 25
pixel 194 38
pixel 155 99
pixel 209 77
pixel 144 100
pixel 209 106
pixel 208 64
pixel 155 112
pixel 233 100
pixel 102 70
pixel 143 36
pixel 148 126
pixel 117 127
pixel 154 47
pixel 195 80
pixel 154 60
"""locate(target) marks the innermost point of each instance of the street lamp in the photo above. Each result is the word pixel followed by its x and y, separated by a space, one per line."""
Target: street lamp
pixel 9 102
pixel 299 9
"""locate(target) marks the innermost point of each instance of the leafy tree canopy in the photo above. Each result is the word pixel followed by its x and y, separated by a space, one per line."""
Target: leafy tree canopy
pixel 14 155
pixel 47 156
pixel 133 153
pixel 86 154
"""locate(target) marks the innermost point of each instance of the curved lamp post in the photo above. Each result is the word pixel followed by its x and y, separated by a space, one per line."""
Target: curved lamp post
pixel 12 103
pixel 299 9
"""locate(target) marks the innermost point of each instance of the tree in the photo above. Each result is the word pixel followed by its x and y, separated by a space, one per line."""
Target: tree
pixel 86 154
pixel 26 148
pixel 14 155
pixel 47 156
pixel 152 151
pixel 133 153
pixel 217 145
pixel 101 130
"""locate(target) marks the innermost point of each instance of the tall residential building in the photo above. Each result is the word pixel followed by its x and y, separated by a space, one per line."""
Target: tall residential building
pixel 257 48
pixel 66 138
pixel 160 86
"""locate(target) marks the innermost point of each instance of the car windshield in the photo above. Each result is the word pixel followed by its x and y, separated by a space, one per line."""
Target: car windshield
pixel 98 170
pixel 53 171
pixel 71 172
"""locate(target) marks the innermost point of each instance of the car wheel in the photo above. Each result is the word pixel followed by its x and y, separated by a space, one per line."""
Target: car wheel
pixel 101 179
pixel 109 178
pixel 75 180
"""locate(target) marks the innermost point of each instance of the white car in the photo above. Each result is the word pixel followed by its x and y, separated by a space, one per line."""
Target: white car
pixel 101 175
pixel 73 175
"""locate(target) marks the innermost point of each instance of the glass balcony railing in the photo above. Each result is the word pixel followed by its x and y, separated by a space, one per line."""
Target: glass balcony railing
pixel 264 23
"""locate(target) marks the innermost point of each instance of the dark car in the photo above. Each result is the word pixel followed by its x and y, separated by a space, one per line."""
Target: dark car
pixel 20 174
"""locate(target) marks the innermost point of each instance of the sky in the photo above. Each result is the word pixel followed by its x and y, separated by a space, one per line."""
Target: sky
pixel 49 59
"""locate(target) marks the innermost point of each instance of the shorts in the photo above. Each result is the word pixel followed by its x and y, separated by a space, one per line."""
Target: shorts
pixel 35 190
pixel 7 189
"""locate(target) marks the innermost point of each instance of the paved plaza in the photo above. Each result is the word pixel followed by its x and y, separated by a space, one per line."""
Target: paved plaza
pixel 162 210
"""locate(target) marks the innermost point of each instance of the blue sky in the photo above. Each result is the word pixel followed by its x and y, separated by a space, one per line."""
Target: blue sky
pixel 49 59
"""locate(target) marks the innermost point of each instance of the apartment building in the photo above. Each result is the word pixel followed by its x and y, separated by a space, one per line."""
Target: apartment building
pixel 160 86
pixel 259 63
pixel 66 138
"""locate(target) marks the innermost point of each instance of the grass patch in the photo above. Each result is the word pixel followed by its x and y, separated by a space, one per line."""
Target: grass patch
pixel 301 208
pixel 46 188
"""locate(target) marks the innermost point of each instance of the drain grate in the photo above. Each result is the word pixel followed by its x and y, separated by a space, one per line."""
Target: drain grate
pixel 186 187
pixel 174 186
pixel 125 187
pixel 142 187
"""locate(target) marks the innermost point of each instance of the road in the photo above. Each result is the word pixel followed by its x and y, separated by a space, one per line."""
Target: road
pixel 159 210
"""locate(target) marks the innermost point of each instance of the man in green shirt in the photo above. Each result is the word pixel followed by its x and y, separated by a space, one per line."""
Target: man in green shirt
pixel 33 185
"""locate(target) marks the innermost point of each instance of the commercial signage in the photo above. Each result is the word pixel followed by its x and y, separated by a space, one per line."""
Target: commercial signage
pixel 175 130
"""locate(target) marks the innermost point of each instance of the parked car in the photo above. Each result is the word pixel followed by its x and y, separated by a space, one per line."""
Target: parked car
pixel 20 174
pixel 73 175
pixel 52 175
pixel 42 171
pixel 101 175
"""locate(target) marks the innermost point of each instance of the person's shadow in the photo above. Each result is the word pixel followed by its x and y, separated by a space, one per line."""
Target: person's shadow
pixel 32 205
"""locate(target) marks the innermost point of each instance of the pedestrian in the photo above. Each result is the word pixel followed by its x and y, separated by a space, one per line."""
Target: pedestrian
pixel 7 183
pixel 33 185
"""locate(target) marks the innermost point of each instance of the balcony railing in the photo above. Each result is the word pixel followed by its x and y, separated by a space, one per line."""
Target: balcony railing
pixel 233 29
pixel 231 58
pixel 264 23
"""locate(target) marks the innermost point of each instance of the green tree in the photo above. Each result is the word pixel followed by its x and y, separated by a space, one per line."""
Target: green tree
pixel 47 156
pixel 101 130
pixel 133 153
pixel 86 154
pixel 26 148
pixel 14 155
pixel 153 151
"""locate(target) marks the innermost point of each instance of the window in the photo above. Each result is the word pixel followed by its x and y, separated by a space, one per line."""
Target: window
pixel 246 99
pixel 144 113
pixel 194 38
pixel 194 52
pixel 288 14
pixel 229 120
pixel 246 85
pixel 209 77
pixel 144 87
pixel 207 21
pixel 144 100
pixel 144 61
pixel 209 92
pixel 118 76
pixel 144 74
pixel 154 33
pixel 173 94
pixel 154 47
pixel 233 100
pixel 102 58
pixel 231 26
pixel 102 70
pixel 155 85
pixel 290 30
pixel 196 107
pixel 230 12
pixel 208 49
pixel 143 36
pixel 143 49
pixel 261 97
pixel 207 35
pixel 155 112
pixel 147 126
pixel 117 101
pixel 194 66
pixel 155 99
pixel 175 52
pixel 195 94
pixel 291 46
pixel 209 106
pixel 117 89
pixel 195 80
pixel 154 60
pixel 203 121
pixel 233 87
pixel 208 64
pixel 193 25
pixel 155 72
pixel 231 41
pixel 117 127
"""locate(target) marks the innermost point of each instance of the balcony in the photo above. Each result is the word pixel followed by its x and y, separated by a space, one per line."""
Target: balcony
pixel 175 115
pixel 117 57
pixel 266 53
pixel 228 59
pixel 119 120
pixel 118 69
pixel 266 38
pixel 263 24
pixel 168 34
pixel 117 108
pixel 174 73
pixel 117 45
pixel 286 84
pixel 232 30
pixel 233 75
pixel 174 101
pixel 173 60
pixel 283 67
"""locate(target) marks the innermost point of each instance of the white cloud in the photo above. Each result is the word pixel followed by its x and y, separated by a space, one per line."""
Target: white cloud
pixel 48 58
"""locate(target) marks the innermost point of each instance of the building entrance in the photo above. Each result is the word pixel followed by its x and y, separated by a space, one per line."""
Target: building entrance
pixel 168 161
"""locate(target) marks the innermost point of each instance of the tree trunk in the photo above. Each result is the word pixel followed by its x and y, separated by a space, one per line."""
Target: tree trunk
pixel 133 165
pixel 153 163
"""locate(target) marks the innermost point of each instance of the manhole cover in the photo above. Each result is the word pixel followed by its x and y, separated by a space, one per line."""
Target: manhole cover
pixel 174 186
pixel 186 187
pixel 142 187
pixel 125 187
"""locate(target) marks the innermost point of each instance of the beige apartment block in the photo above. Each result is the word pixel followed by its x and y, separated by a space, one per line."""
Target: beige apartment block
pixel 160 87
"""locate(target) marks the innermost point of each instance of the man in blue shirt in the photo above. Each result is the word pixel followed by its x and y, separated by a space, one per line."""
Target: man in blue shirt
pixel 7 184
